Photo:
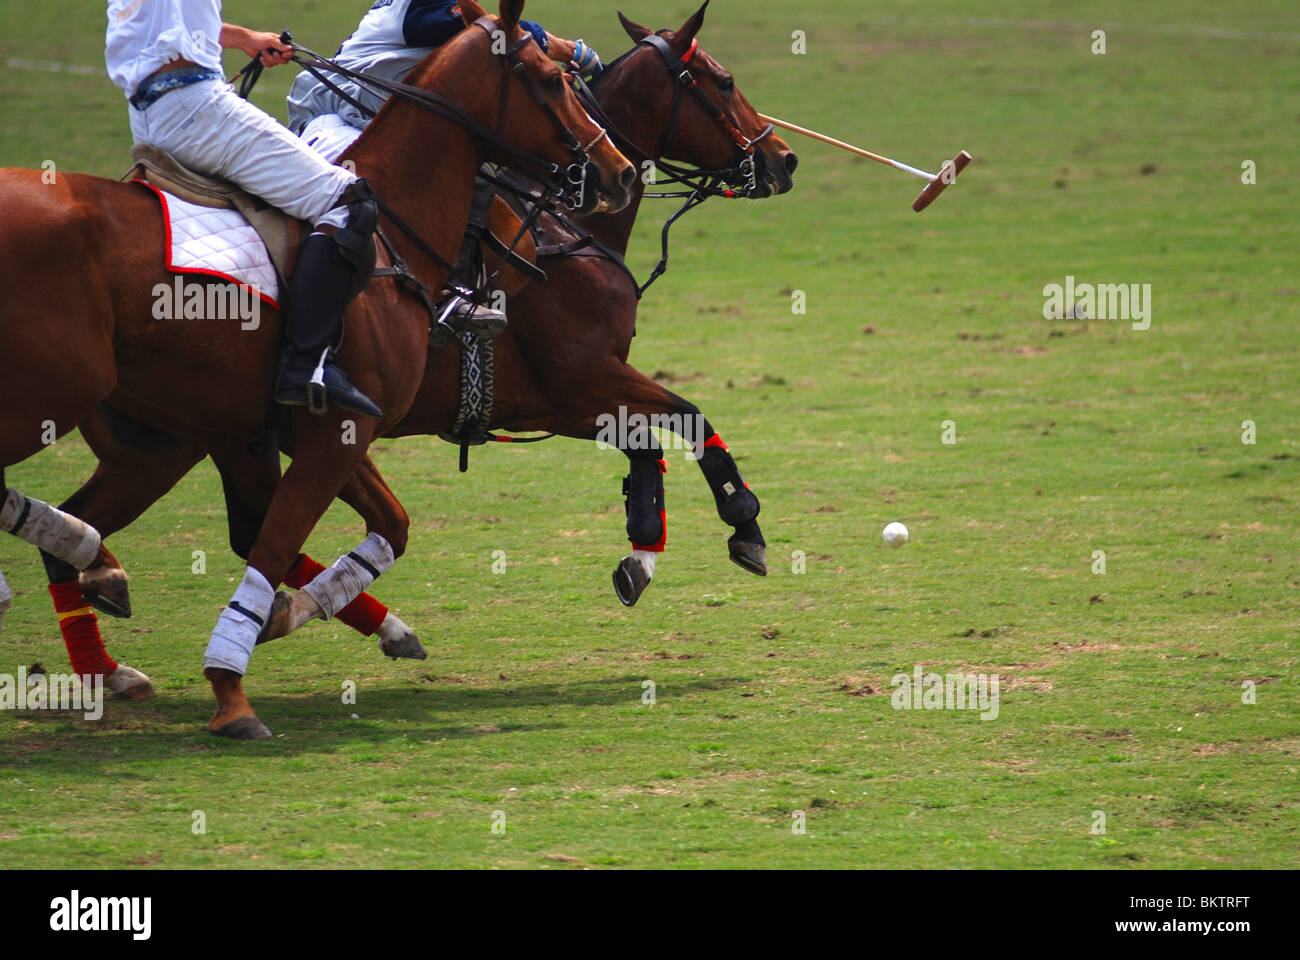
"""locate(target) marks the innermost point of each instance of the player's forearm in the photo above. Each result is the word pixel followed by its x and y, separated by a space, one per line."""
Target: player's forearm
pixel 559 49
pixel 255 43
pixel 235 37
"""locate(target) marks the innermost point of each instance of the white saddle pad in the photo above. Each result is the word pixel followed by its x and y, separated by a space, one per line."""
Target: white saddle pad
pixel 217 242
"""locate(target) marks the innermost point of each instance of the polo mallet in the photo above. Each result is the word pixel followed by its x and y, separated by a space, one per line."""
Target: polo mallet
pixel 938 181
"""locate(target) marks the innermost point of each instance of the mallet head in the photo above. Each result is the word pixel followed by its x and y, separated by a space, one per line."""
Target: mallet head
pixel 947 174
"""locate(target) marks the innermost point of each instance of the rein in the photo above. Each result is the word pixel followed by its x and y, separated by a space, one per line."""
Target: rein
pixel 567 183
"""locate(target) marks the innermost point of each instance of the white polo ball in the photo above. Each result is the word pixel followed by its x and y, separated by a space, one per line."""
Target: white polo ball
pixel 894 535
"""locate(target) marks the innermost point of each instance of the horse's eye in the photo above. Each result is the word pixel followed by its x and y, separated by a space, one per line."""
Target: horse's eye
pixel 555 83
pixel 727 85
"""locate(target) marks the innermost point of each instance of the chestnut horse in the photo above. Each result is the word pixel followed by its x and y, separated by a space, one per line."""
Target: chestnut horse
pixel 576 328
pixel 92 250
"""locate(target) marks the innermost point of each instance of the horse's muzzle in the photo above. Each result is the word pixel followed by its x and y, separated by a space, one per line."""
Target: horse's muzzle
pixel 603 197
pixel 776 171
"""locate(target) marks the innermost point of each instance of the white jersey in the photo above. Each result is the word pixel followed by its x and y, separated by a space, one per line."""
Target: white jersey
pixel 378 46
pixel 144 35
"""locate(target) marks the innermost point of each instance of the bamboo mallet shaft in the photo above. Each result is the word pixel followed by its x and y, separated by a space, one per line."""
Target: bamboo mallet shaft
pixel 938 182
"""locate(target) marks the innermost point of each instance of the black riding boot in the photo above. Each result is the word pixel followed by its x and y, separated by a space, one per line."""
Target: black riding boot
pixel 317 295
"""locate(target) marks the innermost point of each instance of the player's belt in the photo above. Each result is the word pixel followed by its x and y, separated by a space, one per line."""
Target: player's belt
pixel 168 79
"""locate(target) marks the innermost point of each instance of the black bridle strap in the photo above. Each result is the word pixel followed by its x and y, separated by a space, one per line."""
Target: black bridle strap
pixel 699 181
pixel 440 105
pixel 679 68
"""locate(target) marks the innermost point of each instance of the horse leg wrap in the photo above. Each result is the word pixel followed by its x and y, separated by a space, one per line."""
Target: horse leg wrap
pixel 342 583
pixel 235 635
pixel 365 614
pixel 80 629
pixel 6 595
pixel 647 518
pixel 63 535
pixel 736 503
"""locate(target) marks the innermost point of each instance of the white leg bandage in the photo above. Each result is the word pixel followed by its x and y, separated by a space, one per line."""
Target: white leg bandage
pixel 235 634
pixel 71 540
pixel 335 588
pixel 647 558
pixel 6 598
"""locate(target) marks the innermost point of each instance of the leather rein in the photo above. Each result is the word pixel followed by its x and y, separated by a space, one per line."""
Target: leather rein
pixel 566 183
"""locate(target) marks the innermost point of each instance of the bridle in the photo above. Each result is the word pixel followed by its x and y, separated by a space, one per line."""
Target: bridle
pixel 679 67
pixel 577 173
pixel 740 179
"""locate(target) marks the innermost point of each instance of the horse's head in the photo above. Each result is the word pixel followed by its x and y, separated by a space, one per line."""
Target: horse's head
pixel 523 97
pixel 705 119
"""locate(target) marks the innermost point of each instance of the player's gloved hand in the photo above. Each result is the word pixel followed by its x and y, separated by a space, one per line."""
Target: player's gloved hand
pixel 585 60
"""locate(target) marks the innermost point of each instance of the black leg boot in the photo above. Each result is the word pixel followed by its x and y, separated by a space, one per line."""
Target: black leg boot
pixel 318 293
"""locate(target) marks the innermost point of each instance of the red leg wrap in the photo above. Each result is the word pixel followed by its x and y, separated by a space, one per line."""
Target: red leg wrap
pixel 80 629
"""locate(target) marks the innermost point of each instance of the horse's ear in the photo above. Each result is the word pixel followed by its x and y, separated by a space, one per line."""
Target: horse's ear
pixel 511 11
pixel 683 37
pixel 471 11
pixel 634 29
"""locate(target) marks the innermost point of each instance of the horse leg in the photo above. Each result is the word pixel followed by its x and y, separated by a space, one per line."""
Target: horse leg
pixel 737 505
pixel 368 494
pixel 366 614
pixel 647 516
pixel 318 472
pixel 6 595
pixel 137 466
pixel 74 545
pixel 6 598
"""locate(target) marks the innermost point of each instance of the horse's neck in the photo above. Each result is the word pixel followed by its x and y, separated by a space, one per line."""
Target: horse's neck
pixel 614 230
pixel 422 166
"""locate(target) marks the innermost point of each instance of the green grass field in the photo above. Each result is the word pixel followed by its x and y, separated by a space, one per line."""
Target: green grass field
pixel 1121 692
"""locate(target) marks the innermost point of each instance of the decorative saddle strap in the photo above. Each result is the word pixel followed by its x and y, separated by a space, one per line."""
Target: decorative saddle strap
pixel 477 387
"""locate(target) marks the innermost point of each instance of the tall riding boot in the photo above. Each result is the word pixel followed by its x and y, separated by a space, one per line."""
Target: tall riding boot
pixel 317 295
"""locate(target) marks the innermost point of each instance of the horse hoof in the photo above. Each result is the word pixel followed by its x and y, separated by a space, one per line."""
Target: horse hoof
pixel 630 581
pixel 128 683
pixel 397 640
pixel 277 619
pixel 105 589
pixel 750 556
pixel 247 727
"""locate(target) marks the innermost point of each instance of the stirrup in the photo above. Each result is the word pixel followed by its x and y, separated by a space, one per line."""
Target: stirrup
pixel 317 397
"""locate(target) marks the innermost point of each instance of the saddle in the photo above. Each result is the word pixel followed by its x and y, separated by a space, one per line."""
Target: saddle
pixel 281 233
pixel 490 235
